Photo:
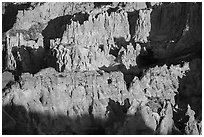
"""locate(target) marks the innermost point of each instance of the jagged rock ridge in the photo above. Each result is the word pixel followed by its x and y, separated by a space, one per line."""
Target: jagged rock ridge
pixel 109 68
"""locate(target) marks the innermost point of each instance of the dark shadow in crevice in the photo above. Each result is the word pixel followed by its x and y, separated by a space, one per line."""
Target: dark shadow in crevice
pixel 179 117
pixel 101 47
pixel 110 10
pixel 26 5
pixel 148 60
pixel 148 4
pixel 53 30
pixel 80 17
pixel 99 4
pixel 17 120
pixel 118 109
pixel 121 4
pixel 56 27
pixel 160 36
pixel 116 114
pixel 173 26
pixel 4 56
pixel 9 17
pixel 32 59
pixel 132 19
pixel 187 54
pixel 190 87
pixel 128 74
pixel 128 79
pixel 114 51
pixel 119 42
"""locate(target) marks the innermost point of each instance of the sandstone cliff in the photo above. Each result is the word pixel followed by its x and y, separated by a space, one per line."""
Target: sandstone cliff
pixel 102 68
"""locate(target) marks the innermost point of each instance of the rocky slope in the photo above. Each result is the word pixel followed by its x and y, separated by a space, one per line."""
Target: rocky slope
pixel 102 68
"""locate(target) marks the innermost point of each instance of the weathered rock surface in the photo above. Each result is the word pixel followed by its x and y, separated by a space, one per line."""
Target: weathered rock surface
pixel 67 95
pixel 98 34
pixel 6 78
pixel 102 68
pixel 92 102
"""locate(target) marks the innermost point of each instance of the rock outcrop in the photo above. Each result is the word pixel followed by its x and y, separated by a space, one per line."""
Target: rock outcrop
pixel 93 102
pixel 98 34
pixel 102 68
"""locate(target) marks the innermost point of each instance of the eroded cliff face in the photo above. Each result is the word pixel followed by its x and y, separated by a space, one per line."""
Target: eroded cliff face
pixel 102 68
pixel 91 102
